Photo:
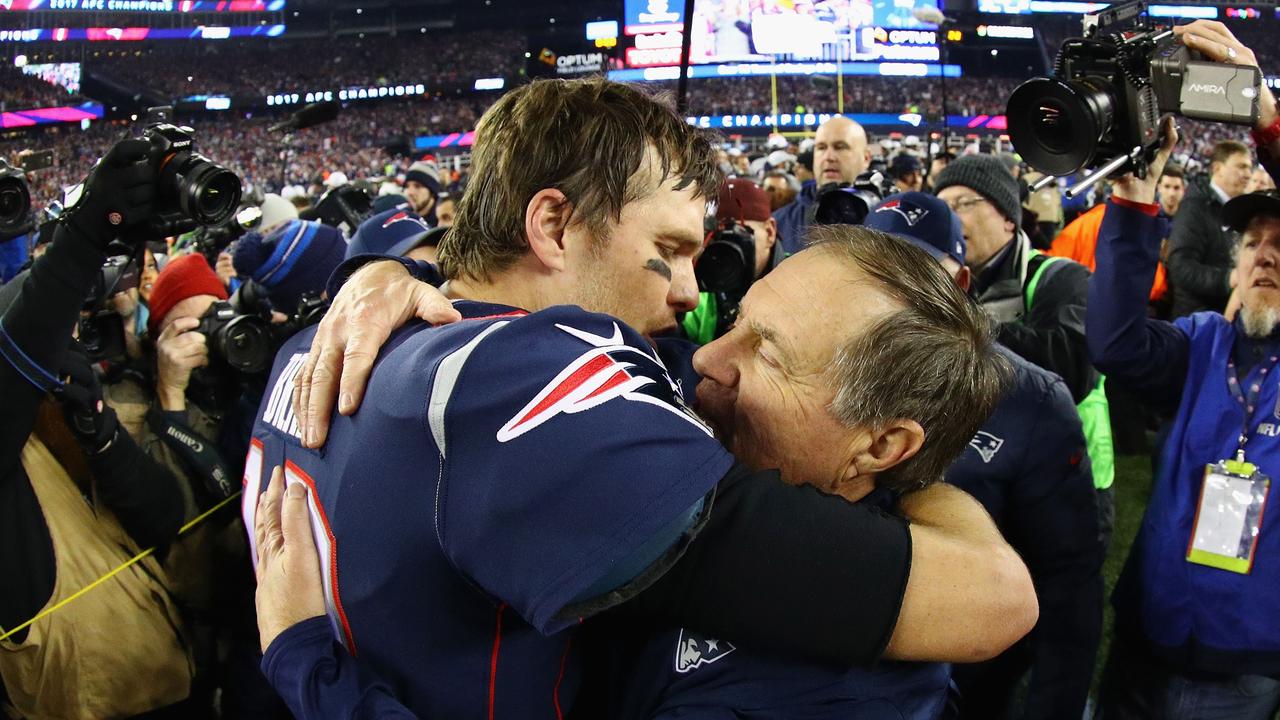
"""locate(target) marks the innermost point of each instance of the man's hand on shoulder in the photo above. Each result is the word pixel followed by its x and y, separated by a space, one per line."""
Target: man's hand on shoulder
pixel 376 299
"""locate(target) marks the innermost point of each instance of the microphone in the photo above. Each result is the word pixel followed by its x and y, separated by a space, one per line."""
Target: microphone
pixel 309 116
pixel 930 14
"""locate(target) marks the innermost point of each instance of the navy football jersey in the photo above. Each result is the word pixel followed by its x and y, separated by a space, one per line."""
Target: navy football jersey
pixel 497 470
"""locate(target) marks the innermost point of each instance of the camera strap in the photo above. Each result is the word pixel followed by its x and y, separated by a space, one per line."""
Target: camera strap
pixel 198 454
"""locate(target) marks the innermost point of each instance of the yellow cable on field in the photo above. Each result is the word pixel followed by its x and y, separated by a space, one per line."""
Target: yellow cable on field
pixel 129 563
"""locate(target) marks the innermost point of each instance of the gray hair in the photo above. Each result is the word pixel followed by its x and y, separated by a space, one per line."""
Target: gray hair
pixel 933 360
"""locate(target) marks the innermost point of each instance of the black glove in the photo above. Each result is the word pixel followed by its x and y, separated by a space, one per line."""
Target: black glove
pixel 118 193
pixel 93 423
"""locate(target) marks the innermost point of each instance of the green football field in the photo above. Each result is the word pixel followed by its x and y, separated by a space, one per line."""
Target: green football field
pixel 1132 487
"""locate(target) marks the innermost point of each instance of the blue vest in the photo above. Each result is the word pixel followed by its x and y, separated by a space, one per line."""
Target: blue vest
pixel 1201 619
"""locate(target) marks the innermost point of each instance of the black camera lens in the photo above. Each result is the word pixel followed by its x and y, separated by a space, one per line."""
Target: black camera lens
pixel 15 205
pixel 244 343
pixel 724 268
pixel 1056 124
pixel 207 192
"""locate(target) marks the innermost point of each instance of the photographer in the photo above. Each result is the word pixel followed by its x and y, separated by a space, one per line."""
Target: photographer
pixel 1195 614
pixel 748 235
pixel 78 498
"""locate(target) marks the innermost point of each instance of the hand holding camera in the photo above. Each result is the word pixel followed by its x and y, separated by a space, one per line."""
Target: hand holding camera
pixel 156 183
pixel 1216 42
pixel 118 194
pixel 179 351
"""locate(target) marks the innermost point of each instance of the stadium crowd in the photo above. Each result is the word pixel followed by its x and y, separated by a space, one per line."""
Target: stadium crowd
pixel 397 435
pixel 260 68
pixel 23 92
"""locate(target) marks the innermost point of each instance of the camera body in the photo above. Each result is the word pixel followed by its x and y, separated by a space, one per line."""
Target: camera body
pixel 252 299
pixel 1110 89
pixel 728 263
pixel 237 340
pixel 15 202
pixel 100 329
pixel 840 204
pixel 192 190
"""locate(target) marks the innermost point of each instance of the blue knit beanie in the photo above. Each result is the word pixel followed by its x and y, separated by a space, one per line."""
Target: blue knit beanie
pixel 294 259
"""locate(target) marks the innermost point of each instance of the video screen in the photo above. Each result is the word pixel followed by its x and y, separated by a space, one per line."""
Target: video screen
pixel 66 75
pixel 726 31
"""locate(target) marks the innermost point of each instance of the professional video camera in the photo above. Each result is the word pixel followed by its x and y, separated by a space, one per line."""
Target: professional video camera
pixel 192 190
pixel 1109 90
pixel 101 331
pixel 15 202
pixel 844 204
pixel 240 341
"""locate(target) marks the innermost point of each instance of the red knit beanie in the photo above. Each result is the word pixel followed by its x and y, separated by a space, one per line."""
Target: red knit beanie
pixel 182 278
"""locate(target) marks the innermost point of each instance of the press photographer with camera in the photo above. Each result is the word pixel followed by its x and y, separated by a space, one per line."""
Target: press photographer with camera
pixel 741 249
pixel 82 659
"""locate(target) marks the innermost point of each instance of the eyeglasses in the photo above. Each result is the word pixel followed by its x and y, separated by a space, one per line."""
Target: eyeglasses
pixel 960 206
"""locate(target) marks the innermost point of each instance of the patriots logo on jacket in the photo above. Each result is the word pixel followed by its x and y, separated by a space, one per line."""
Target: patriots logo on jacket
pixel 403 217
pixel 910 213
pixel 610 369
pixel 986 444
pixel 693 651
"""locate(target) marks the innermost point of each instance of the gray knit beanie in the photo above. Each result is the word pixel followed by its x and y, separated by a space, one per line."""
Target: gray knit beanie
pixel 987 176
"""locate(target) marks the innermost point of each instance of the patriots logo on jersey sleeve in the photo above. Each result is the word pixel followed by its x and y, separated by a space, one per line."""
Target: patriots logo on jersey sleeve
pixel 694 651
pixel 912 214
pixel 986 445
pixel 610 370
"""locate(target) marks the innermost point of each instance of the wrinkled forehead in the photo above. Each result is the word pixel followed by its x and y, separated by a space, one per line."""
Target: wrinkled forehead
pixel 815 302
pixel 1264 227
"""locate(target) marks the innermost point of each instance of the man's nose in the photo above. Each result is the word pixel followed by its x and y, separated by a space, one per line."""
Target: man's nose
pixel 683 295
pixel 714 361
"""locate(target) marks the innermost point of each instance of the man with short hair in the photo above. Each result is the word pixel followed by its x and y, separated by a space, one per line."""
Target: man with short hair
pixel 1200 243
pixel 840 155
pixel 1171 190
pixel 445 211
pixel 1037 300
pixel 781 188
pixel 568 476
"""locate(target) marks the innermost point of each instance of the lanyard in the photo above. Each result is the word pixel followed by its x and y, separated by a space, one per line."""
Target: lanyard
pixel 1248 402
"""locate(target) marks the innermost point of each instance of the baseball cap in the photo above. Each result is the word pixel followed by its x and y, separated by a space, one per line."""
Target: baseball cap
pixel 741 199
pixel 1241 209
pixel 391 232
pixel 923 220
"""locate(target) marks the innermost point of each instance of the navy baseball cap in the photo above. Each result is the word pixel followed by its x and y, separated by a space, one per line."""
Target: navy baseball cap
pixel 392 232
pixel 922 219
